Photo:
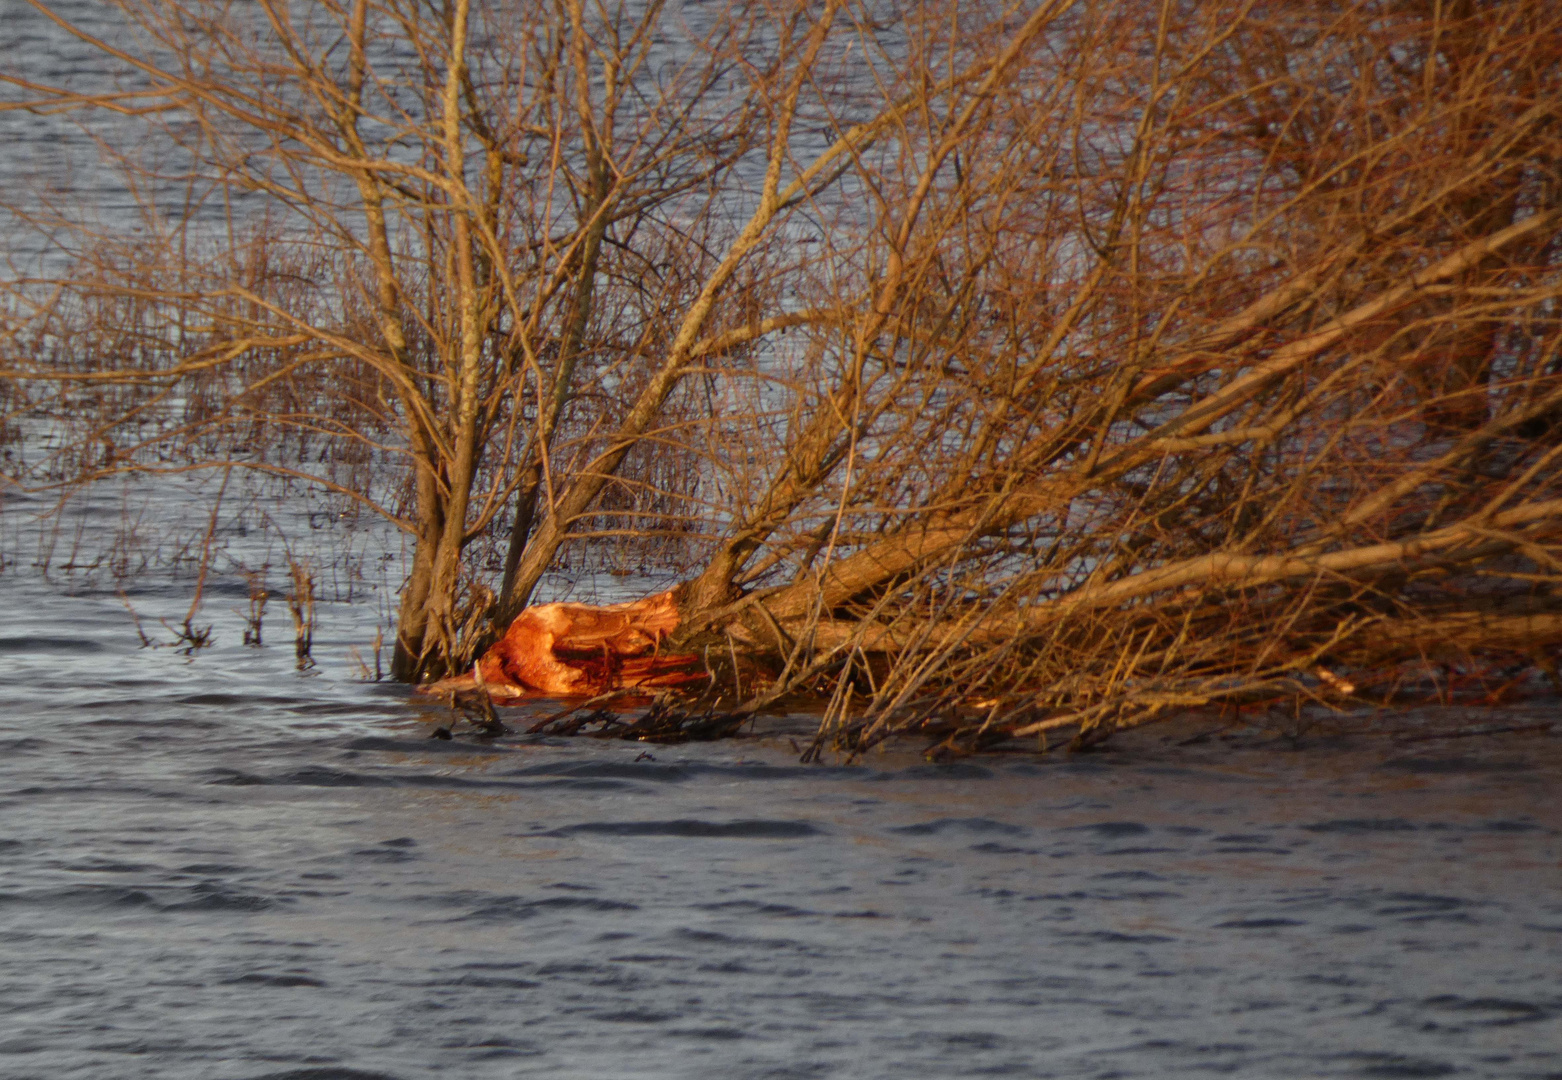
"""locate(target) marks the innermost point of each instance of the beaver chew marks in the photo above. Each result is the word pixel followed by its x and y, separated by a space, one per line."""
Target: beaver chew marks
pixel 585 648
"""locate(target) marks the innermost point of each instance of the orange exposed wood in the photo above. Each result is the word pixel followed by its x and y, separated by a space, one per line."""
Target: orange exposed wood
pixel 582 649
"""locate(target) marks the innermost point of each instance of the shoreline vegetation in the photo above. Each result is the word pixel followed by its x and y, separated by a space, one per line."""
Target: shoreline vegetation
pixel 982 372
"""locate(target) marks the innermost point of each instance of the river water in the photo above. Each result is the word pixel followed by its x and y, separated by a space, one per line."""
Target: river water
pixel 217 866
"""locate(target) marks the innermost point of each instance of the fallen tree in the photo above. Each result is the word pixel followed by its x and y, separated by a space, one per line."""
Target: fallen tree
pixel 1087 452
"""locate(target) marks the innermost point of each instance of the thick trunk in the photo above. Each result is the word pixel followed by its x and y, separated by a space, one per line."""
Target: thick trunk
pixel 576 649
pixel 425 637
pixel 510 602
pixel 412 618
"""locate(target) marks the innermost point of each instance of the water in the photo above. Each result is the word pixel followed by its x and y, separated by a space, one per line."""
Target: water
pixel 217 866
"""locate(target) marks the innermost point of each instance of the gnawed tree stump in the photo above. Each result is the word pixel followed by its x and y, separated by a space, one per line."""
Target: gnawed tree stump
pixel 574 649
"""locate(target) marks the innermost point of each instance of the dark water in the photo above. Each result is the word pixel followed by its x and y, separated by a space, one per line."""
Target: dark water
pixel 217 867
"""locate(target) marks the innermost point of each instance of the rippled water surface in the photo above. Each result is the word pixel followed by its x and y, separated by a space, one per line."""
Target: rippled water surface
pixel 219 867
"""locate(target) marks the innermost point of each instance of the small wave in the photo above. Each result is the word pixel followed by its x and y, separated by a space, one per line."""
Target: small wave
pixel 992 847
pixel 25 1046
pixel 100 896
pixel 96 791
pixel 756 907
pixel 957 771
pixel 235 778
pixel 459 783
pixel 1104 895
pixel 1129 875
pixel 211 699
pixel 308 776
pixel 1513 827
pixel 211 897
pixel 580 784
pixel 310 707
pixel 515 908
pixel 202 897
pixel 493 1048
pixel 384 855
pixel 1112 830
pixel 678 772
pixel 1252 850
pixel 1490 1012
pixel 489 982
pixel 1361 825
pixel 1142 851
pixel 1257 924
pixel 107 866
pixel 1424 907
pixel 970 825
pixel 1116 937
pixel 256 978
pixel 715 1034
pixel 387 745
pixel 49 644
pixel 610 770
pixel 155 723
pixel 1453 766
pixel 634 1016
pixel 728 943
pixel 1388 1066
pixel 739 830
pixel 22 745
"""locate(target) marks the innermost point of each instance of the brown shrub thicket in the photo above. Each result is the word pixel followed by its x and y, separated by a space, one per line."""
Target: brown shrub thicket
pixel 1002 370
